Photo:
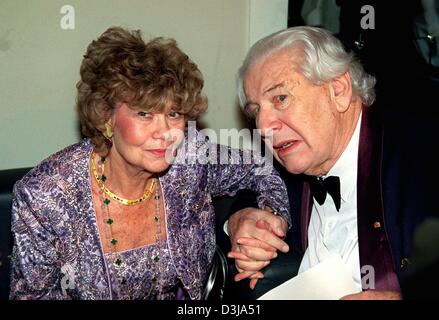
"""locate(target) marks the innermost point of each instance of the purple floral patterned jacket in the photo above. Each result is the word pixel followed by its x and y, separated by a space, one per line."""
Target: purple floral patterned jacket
pixel 55 230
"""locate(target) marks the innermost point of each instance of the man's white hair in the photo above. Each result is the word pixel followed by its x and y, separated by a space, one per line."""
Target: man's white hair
pixel 324 59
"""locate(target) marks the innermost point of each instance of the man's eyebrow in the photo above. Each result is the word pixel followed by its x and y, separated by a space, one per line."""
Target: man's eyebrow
pixel 279 85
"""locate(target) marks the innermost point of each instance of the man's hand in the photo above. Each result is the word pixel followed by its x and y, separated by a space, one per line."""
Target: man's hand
pixel 374 295
pixel 256 236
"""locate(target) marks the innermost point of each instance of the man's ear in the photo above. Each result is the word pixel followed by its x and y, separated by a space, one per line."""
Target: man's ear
pixel 341 91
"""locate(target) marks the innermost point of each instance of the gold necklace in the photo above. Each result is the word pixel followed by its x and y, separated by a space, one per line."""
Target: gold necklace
pixel 128 202
pixel 105 203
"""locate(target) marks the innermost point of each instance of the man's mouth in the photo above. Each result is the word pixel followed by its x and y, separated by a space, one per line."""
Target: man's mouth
pixel 284 145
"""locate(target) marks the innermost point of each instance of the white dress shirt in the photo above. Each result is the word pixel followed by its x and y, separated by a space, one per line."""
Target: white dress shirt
pixel 335 233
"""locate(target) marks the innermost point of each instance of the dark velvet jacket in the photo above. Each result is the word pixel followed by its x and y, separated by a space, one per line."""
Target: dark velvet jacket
pixel 393 194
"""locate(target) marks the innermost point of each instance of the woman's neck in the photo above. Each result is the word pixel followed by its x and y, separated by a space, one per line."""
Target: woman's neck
pixel 125 179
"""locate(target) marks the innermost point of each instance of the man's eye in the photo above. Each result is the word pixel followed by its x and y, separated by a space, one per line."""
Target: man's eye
pixel 252 110
pixel 280 98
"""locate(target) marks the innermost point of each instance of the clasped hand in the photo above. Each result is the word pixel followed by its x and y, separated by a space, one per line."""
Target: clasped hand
pixel 256 235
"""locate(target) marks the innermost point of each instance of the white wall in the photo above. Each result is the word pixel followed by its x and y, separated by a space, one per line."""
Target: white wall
pixel 266 17
pixel 39 61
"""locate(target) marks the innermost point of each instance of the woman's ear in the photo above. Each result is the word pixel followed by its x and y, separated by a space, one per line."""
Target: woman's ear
pixel 106 116
pixel 341 91
pixel 107 113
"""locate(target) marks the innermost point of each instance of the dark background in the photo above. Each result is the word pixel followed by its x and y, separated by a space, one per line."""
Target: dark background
pixel 406 82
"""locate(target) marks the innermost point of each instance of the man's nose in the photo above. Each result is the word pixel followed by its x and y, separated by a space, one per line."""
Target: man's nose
pixel 268 122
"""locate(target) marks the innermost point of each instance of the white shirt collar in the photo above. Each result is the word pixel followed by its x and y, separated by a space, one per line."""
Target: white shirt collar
pixel 344 165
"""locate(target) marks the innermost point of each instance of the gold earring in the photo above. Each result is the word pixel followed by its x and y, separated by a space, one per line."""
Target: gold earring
pixel 108 133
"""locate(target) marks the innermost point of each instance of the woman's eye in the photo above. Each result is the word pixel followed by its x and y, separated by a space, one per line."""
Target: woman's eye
pixel 175 115
pixel 144 114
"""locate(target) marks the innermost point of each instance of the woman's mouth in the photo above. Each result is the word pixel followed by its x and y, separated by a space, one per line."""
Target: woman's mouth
pixel 158 152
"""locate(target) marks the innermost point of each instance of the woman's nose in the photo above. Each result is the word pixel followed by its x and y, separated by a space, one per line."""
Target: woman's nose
pixel 161 127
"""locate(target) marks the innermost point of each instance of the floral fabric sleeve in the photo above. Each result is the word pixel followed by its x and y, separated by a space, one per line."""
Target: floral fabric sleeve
pixel 236 169
pixel 34 273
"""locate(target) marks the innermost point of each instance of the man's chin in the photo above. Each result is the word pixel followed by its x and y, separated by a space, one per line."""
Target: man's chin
pixel 294 168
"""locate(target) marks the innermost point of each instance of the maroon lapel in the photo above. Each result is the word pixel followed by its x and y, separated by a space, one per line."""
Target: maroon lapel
pixel 306 207
pixel 373 242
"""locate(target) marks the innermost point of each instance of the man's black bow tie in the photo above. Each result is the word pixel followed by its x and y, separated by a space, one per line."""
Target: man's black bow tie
pixel 320 187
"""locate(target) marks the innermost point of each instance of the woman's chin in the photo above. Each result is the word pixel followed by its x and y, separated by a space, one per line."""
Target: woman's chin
pixel 157 168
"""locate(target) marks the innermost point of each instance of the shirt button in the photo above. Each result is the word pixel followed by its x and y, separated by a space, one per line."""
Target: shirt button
pixel 330 224
pixel 404 263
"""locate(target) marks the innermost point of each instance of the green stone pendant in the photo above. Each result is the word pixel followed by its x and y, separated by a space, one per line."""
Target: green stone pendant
pixel 109 221
pixel 113 242
pixel 118 262
pixel 106 201
pixel 156 258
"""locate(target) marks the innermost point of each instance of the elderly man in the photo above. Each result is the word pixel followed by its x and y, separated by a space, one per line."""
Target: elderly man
pixel 352 196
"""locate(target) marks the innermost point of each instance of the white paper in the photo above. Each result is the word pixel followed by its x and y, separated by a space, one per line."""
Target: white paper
pixel 329 280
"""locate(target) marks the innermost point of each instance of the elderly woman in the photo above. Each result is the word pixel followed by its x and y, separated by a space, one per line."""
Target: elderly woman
pixel 110 217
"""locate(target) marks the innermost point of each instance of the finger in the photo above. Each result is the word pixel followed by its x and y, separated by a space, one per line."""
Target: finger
pixel 244 262
pixel 243 275
pixel 262 224
pixel 257 275
pixel 252 265
pixel 257 254
pixel 253 283
pixel 271 239
pixel 248 274
pixel 256 243
pixel 238 256
pixel 277 224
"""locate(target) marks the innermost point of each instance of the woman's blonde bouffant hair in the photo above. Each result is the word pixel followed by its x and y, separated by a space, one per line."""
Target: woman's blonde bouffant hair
pixel 120 67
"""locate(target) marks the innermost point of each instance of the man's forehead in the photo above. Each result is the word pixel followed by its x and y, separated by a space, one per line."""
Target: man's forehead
pixel 278 74
pixel 286 56
pixel 285 61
